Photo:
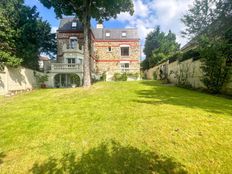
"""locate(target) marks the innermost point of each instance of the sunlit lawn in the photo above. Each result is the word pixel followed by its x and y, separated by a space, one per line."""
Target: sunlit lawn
pixel 123 127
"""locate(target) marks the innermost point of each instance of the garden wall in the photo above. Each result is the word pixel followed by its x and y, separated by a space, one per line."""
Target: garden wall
pixel 16 79
pixel 188 71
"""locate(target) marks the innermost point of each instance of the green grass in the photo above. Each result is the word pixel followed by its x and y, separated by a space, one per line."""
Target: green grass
pixel 124 127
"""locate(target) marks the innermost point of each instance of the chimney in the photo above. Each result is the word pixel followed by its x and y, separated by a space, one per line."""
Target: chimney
pixel 100 26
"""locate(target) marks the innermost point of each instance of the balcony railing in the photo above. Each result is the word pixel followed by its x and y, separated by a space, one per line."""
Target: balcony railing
pixel 73 48
pixel 65 67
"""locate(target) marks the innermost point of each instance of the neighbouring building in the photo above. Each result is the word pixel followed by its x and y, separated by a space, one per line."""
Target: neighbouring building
pixel 113 51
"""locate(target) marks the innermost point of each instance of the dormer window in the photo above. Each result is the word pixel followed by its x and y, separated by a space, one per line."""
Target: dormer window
pixel 73 42
pixel 107 34
pixel 74 25
pixel 123 34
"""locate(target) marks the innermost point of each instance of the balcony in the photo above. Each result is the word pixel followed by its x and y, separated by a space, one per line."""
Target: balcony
pixel 66 68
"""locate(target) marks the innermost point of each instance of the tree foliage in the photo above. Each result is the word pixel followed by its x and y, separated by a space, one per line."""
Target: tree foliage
pixel 23 35
pixel 85 10
pixel 158 46
pixel 215 71
pixel 210 23
pixel 207 17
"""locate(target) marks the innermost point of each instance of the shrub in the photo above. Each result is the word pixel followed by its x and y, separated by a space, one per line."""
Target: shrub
pixel 117 76
pixel 154 76
pixel 215 71
pixel 103 76
pixel 124 77
pixel 133 75
pixel 41 79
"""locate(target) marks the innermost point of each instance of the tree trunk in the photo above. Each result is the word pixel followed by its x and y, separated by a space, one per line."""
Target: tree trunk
pixel 86 23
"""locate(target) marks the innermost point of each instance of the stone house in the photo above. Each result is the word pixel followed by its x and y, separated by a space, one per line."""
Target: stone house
pixel 113 51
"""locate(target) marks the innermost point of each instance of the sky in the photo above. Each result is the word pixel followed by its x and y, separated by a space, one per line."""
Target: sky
pixel 148 14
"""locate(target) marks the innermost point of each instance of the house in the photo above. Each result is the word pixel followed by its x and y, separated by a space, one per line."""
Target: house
pixel 112 51
pixel 44 62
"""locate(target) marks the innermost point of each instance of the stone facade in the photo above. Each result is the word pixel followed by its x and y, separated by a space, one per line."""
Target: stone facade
pixel 106 52
pixel 108 56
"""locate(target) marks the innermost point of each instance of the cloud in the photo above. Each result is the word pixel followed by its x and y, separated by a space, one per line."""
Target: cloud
pixel 53 29
pixel 149 14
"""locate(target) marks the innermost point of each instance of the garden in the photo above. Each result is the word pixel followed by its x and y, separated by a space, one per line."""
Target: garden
pixel 125 127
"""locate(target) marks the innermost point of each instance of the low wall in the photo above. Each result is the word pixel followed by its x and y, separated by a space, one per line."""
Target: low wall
pixel 16 79
pixel 190 70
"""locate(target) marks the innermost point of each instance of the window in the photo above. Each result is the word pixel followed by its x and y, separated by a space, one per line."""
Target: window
pixel 123 34
pixel 109 49
pixel 125 67
pixel 71 62
pixel 74 25
pixel 107 34
pixel 124 51
pixel 73 42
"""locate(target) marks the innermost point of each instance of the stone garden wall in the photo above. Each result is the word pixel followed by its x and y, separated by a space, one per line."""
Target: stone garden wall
pixel 16 79
pixel 188 70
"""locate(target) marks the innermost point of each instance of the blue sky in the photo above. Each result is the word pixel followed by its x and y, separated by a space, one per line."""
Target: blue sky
pixel 148 14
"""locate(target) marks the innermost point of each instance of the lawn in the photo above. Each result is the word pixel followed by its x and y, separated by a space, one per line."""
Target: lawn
pixel 124 127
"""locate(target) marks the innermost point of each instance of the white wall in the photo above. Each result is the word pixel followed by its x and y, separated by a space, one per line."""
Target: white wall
pixel 194 73
pixel 16 79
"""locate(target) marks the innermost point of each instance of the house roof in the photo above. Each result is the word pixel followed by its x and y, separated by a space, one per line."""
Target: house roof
pixel 66 24
pixel 115 34
pixel 99 33
pixel 43 58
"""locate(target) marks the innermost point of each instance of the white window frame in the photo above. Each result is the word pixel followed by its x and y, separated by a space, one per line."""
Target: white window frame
pixel 124 34
pixel 107 34
pixel 123 66
pixel 73 63
pixel 74 24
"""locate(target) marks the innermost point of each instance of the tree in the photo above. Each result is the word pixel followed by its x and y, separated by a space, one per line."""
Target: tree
pixel 158 46
pixel 209 22
pixel 207 17
pixel 24 34
pixel 7 44
pixel 85 10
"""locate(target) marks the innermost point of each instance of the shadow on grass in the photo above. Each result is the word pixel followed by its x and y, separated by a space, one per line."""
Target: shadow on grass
pixel 2 155
pixel 111 158
pixel 164 94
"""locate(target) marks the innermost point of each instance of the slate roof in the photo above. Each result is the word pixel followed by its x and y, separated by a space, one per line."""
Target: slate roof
pixel 66 24
pixel 99 33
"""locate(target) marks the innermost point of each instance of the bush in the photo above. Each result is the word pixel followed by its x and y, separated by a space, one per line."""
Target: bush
pixel 41 79
pixel 103 77
pixel 133 75
pixel 215 71
pixel 154 76
pixel 120 77
pixel 124 77
pixel 117 76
